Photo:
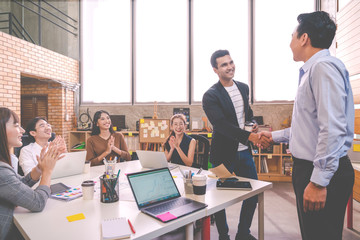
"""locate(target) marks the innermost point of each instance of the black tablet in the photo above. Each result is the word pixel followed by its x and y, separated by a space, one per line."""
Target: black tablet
pixel 58 188
pixel 233 183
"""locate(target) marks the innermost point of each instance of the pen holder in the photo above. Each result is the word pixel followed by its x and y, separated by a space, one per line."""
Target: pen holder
pixel 109 189
pixel 188 186
pixel 109 166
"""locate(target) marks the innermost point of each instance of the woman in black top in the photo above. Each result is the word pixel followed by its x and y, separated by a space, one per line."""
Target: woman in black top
pixel 179 147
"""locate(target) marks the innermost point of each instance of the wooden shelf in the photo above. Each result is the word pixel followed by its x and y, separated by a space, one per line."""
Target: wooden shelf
pixel 274 170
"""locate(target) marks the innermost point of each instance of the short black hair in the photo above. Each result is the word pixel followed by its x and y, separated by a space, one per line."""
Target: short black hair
pixel 31 127
pixel 217 54
pixel 319 27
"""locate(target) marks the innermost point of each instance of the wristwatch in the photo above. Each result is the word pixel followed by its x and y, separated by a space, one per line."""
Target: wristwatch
pixel 317 185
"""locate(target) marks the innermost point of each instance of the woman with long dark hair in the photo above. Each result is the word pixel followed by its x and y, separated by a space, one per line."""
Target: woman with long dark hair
pixel 104 141
pixel 15 190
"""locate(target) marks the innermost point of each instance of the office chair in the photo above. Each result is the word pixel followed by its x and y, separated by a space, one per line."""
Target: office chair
pixel 201 156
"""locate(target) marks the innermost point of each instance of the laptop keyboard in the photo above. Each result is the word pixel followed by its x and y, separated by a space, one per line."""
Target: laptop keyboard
pixel 168 205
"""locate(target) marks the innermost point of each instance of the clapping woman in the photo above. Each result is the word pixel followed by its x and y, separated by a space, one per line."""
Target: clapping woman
pixel 179 147
pixel 104 141
pixel 16 190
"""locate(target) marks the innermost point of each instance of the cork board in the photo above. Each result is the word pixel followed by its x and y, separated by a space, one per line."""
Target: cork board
pixel 154 130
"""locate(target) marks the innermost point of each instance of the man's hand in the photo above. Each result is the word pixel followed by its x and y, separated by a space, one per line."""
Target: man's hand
pixel 314 197
pixel 255 128
pixel 260 140
pixel 266 139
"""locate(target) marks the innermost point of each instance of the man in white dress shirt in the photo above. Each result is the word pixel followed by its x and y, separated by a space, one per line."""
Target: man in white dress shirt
pixel 321 131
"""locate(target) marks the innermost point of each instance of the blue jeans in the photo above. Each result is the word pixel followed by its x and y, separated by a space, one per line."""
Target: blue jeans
pixel 243 166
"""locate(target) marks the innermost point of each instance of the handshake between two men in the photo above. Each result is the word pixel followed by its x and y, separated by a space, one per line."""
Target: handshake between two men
pixel 261 139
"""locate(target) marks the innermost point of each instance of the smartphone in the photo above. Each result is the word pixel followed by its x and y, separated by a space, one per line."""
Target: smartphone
pixel 233 183
pixel 58 188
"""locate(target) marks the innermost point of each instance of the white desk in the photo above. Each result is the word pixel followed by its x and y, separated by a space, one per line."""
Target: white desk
pixel 52 220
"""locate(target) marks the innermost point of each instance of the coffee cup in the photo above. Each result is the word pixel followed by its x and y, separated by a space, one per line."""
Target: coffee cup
pixel 199 184
pixel 88 189
pixel 249 126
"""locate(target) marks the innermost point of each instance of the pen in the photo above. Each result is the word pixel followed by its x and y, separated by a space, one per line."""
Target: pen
pixel 199 171
pixel 131 227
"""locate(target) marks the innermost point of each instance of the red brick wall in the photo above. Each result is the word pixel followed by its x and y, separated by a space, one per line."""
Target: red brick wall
pixel 21 58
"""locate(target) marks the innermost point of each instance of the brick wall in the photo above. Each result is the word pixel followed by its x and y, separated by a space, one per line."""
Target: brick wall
pixel 21 58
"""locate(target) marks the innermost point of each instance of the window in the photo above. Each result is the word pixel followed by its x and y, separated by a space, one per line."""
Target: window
pixel 276 74
pixel 218 24
pixel 161 34
pixel 106 51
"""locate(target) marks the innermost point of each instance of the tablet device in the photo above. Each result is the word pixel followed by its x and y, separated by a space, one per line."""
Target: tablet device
pixel 233 183
pixel 58 188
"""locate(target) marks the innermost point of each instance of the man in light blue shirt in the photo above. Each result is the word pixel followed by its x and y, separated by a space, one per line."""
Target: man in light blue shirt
pixel 321 131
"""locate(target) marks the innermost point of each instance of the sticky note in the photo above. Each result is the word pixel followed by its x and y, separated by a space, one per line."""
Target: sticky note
pixel 166 216
pixel 269 156
pixel 142 121
pixel 130 152
pixel 75 217
pixel 209 135
pixel 356 147
pixel 130 134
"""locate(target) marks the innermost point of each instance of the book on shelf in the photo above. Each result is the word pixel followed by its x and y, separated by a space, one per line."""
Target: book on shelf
pixel 263 165
pixel 287 166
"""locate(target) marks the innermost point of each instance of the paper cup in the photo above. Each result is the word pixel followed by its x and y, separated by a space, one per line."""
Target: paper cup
pixel 199 184
pixel 88 189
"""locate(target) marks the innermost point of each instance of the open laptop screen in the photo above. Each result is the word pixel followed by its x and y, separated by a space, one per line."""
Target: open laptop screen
pixel 152 186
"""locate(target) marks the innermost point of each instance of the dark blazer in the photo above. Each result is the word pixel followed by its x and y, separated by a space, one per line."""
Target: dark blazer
pixel 221 113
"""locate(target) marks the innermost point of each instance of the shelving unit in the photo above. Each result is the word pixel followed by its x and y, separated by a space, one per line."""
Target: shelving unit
pixel 274 158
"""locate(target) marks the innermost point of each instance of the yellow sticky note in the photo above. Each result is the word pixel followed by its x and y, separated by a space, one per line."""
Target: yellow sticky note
pixel 189 133
pixel 130 134
pixel 269 156
pixel 142 121
pixel 75 217
pixel 130 152
pixel 209 135
pixel 356 147
pixel 174 176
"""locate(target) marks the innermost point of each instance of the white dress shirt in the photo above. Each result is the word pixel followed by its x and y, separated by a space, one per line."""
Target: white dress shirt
pixel 322 127
pixel 27 158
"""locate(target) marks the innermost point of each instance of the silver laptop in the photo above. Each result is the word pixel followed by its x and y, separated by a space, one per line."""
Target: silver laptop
pixel 152 159
pixel 157 195
pixel 72 164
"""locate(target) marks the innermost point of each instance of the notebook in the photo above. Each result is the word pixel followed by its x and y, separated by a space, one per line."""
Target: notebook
pixel 153 159
pixel 115 228
pixel 72 164
pixel 156 194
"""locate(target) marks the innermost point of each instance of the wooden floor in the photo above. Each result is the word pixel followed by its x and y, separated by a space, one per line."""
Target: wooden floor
pixel 281 222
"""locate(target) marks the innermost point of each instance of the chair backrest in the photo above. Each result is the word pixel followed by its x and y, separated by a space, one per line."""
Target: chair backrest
pixel 201 156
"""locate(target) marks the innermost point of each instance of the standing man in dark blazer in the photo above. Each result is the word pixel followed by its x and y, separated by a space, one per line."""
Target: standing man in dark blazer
pixel 226 105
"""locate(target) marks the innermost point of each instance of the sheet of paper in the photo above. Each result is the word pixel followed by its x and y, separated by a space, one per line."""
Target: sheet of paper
pixel 221 171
